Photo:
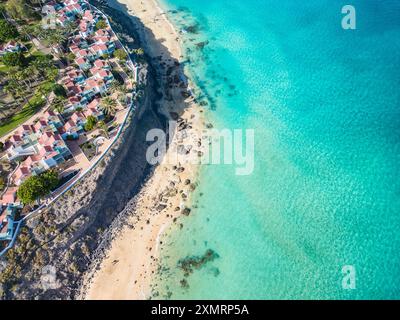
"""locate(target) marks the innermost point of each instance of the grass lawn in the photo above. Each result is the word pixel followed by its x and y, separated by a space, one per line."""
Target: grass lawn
pixel 36 103
pixel 28 111
pixel 6 69
pixel 37 53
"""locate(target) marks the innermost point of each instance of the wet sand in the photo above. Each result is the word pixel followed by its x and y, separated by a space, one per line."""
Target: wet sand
pixel 126 271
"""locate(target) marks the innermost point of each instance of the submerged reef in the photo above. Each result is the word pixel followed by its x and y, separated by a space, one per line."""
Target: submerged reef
pixel 189 264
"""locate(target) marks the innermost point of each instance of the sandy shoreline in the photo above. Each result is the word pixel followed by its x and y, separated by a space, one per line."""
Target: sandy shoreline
pixel 126 271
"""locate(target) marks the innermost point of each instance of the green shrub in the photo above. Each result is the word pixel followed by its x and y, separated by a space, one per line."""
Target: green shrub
pixel 18 9
pixel 101 24
pixel 90 123
pixel 36 102
pixel 13 59
pixel 59 90
pixel 2 183
pixel 120 54
pixel 7 31
pixel 37 186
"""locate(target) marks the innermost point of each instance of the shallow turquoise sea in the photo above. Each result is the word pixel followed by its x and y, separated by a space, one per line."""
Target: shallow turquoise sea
pixel 325 106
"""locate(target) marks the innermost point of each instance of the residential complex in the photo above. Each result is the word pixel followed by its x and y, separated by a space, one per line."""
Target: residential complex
pixel 53 139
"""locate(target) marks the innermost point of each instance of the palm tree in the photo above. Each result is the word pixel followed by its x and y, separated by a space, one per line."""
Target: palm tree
pixel 20 93
pixel 27 73
pixel 41 64
pixel 59 108
pixel 2 105
pixel 70 28
pixel 115 87
pixel 104 129
pixel 58 104
pixel 31 71
pixel 51 73
pixel 22 77
pixel 37 2
pixel 54 37
pixel 139 51
pixel 26 31
pixel 11 88
pixel 109 106
pixel 36 30
pixel 44 92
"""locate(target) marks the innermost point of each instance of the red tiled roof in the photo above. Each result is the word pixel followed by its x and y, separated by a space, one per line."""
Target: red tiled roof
pixel 69 125
pixel 93 83
pixel 61 130
pixel 74 48
pixel 77 116
pixel 102 39
pixel 76 41
pixel 15 138
pixel 70 2
pixel 99 63
pixel 5 228
pixel 49 138
pixel 21 172
pixel 83 26
pixel 103 47
pixel 90 111
pixel 80 61
pixel 51 154
pixel 103 73
pixel 101 33
pixel 9 197
pixel 69 83
pixel 82 53
pixel 94 70
pixel 30 160
pixel 88 15
pixel 74 99
pixel 75 89
pixel 26 128
pixel 40 124
pixel 49 114
pixel 73 7
pixel 45 149
pixel 94 104
pixel 74 73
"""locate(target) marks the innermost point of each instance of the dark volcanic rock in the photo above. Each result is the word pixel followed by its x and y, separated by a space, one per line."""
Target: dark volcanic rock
pixel 189 264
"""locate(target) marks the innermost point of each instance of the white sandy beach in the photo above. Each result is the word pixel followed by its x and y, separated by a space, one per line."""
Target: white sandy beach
pixel 126 272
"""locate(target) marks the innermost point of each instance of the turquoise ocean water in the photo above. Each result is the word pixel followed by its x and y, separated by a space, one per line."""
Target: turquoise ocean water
pixel 325 192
